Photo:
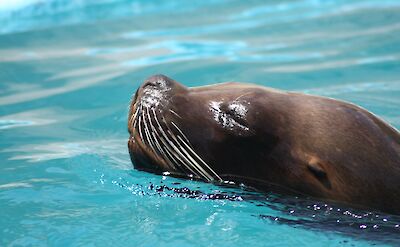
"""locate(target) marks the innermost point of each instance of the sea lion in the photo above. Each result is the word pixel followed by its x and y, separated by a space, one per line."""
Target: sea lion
pixel 266 138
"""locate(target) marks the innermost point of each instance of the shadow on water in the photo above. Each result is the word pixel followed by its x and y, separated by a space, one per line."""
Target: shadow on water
pixel 294 211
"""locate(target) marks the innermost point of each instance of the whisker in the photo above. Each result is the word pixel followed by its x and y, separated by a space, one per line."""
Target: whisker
pixel 191 161
pixel 197 165
pixel 187 143
pixel 171 163
pixel 240 96
pixel 134 117
pixel 147 133
pixel 154 130
pixel 140 126
pixel 170 160
pixel 177 152
pixel 180 131
pixel 176 114
pixel 165 147
pixel 173 155
pixel 148 141
pixel 200 159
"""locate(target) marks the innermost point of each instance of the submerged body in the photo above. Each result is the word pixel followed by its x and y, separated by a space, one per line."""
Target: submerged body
pixel 268 139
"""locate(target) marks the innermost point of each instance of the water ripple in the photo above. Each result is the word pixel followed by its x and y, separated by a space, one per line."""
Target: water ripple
pixel 68 70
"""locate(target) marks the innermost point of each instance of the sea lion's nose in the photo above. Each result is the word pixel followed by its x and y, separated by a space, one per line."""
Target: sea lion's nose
pixel 159 82
pixel 157 87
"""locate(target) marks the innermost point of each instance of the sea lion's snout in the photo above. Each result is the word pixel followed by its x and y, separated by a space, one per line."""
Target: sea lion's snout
pixel 152 143
pixel 157 89
pixel 160 82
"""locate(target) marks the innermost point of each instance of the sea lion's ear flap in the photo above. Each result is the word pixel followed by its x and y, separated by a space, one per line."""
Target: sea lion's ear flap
pixel 316 167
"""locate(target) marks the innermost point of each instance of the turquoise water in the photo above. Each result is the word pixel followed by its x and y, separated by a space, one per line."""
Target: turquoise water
pixel 67 73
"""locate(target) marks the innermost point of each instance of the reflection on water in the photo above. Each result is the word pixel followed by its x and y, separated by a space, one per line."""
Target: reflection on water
pixel 68 70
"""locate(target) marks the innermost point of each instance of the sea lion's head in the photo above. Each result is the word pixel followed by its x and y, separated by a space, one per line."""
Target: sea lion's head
pixel 201 132
pixel 265 138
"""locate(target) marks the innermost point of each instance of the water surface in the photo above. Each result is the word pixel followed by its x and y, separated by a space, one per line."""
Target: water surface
pixel 67 73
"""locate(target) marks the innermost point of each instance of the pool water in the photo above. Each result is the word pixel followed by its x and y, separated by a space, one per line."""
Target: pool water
pixel 67 73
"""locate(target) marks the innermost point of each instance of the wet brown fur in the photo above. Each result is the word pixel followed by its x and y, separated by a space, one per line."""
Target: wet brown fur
pixel 312 145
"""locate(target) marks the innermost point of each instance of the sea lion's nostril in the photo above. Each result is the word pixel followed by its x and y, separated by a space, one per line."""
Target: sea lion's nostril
pixel 157 81
pixel 149 84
